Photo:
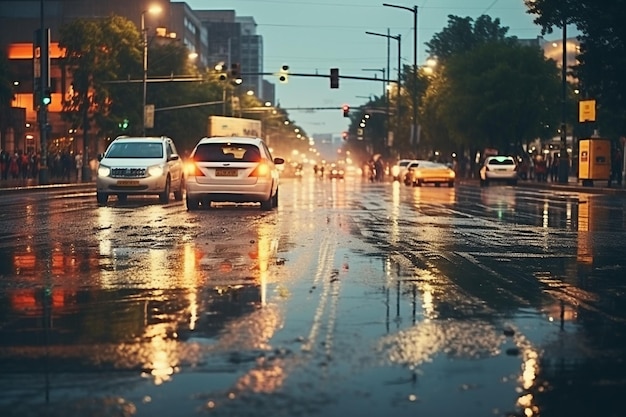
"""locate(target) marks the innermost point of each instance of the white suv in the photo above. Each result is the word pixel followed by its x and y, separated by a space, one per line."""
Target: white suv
pixel 140 166
pixel 498 168
pixel 232 169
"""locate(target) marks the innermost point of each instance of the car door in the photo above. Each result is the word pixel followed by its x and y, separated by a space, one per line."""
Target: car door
pixel 175 164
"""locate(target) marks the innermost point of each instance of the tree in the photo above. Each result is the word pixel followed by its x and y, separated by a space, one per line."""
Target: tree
pixel 498 95
pixel 99 51
pixel 461 35
pixel 602 57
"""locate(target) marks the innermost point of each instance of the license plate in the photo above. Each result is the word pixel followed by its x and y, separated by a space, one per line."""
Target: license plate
pixel 127 182
pixel 221 172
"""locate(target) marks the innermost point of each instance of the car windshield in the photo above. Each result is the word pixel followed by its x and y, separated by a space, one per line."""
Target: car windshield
pixel 227 152
pixel 135 150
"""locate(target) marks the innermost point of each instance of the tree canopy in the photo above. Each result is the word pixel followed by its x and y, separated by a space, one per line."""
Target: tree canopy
pixel 602 56
pixel 488 90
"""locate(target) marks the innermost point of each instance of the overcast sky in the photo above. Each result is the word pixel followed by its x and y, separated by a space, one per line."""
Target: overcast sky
pixel 315 35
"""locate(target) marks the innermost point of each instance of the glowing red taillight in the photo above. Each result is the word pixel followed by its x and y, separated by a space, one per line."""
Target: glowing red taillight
pixel 262 170
pixel 192 170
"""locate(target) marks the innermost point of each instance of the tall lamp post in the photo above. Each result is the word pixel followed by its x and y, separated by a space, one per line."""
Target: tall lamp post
pixel 399 39
pixel 563 172
pixel 156 9
pixel 414 85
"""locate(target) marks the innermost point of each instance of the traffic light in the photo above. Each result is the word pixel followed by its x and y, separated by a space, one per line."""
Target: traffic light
pixel 334 78
pixel 283 76
pixel 47 97
pixel 235 73
pixel 123 124
pixel 346 110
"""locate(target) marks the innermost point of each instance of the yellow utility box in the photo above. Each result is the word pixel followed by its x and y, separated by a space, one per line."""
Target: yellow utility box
pixel 594 160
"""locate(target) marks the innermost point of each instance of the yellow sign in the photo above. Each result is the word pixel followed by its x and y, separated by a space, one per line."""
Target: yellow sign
pixel 587 111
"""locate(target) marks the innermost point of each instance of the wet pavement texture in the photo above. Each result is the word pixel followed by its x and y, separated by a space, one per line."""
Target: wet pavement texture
pixel 352 298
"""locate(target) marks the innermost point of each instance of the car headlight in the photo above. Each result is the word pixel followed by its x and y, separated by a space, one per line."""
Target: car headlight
pixel 104 171
pixel 156 170
pixel 395 170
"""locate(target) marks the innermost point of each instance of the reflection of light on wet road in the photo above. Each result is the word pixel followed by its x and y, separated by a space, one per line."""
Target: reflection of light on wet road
pixel 323 271
pixel 394 229
pixel 161 355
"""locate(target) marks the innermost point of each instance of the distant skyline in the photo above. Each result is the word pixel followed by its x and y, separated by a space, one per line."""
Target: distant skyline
pixel 312 36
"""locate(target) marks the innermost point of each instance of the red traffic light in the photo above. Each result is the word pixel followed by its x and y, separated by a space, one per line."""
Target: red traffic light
pixel 346 110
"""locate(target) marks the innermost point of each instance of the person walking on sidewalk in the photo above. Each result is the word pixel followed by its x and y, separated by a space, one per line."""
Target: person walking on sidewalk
pixel 79 165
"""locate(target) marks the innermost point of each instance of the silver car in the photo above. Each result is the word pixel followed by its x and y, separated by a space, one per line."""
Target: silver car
pixel 232 169
pixel 140 166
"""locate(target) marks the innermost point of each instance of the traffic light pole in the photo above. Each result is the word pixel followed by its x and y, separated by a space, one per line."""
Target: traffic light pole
pixel 43 40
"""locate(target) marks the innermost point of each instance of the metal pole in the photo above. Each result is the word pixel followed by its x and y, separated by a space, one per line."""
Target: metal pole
pixel 144 35
pixel 387 144
pixel 415 127
pixel 44 177
pixel 563 154
pixel 398 38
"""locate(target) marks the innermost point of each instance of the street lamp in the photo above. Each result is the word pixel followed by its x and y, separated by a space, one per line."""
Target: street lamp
pixel 155 9
pixel 399 39
pixel 414 86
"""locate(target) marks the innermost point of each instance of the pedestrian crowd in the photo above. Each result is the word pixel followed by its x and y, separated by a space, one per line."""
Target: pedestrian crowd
pixel 62 166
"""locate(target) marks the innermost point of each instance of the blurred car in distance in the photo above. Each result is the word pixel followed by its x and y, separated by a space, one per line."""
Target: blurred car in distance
pixel 140 166
pixel 421 172
pixel 232 169
pixel 336 171
pixel 399 169
pixel 499 168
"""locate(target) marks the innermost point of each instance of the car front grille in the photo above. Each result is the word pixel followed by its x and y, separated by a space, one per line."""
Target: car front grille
pixel 128 172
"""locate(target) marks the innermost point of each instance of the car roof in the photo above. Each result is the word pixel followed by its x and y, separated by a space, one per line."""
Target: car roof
pixel 235 139
pixel 141 138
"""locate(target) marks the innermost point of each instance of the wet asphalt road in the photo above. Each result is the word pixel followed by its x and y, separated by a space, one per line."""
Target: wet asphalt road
pixel 352 298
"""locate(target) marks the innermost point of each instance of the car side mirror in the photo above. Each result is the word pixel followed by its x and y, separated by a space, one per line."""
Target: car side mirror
pixel 279 161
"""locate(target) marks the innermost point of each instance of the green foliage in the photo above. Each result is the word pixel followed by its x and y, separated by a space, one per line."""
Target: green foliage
pixel 603 52
pixel 487 90
pixel 462 34
pixel 503 95
pixel 98 51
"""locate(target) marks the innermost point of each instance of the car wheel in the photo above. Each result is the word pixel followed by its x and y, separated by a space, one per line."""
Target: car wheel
pixel 164 197
pixel 122 198
pixel 267 204
pixel 192 203
pixel 102 198
pixel 417 183
pixel 437 184
pixel 178 194
pixel 513 182
pixel 451 184
pixel 275 199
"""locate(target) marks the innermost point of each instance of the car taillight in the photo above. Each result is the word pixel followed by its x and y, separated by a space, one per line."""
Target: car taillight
pixel 262 170
pixel 192 170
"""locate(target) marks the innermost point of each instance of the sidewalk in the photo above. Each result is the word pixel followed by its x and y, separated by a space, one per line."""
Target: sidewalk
pixel 24 184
